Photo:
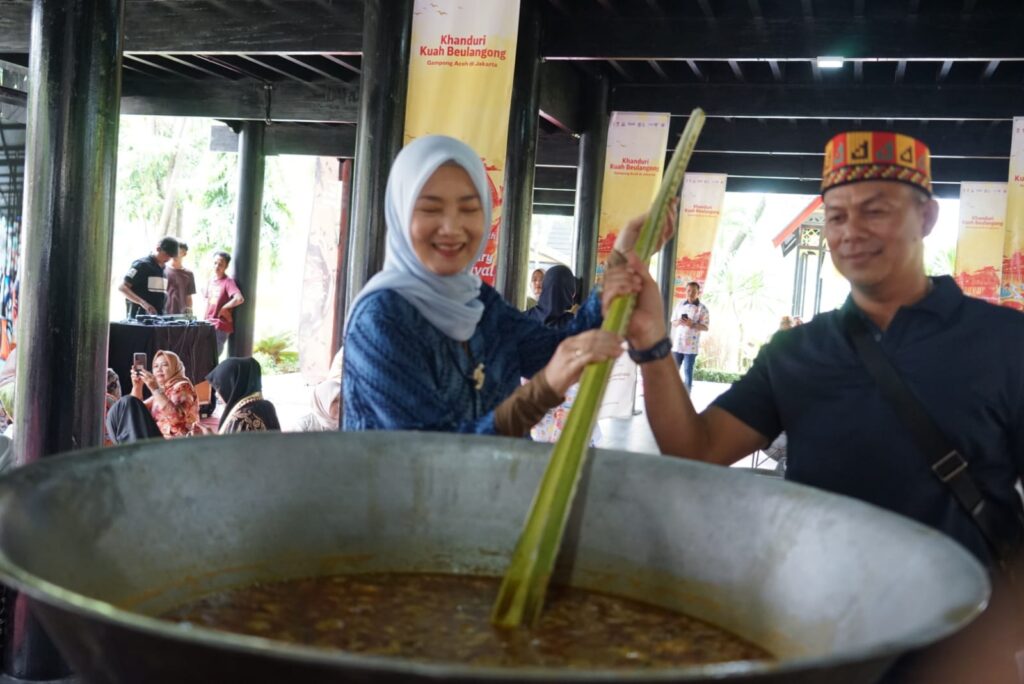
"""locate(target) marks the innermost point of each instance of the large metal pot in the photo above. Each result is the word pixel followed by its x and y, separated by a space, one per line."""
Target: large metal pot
pixel 836 588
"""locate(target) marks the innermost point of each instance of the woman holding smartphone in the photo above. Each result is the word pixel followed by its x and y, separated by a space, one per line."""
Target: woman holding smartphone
pixel 172 410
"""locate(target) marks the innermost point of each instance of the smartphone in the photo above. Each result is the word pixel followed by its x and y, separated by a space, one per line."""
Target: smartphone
pixel 139 360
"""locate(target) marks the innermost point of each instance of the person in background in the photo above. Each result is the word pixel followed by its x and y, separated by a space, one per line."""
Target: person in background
pixel 325 403
pixel 181 283
pixel 689 319
pixel 556 299
pixel 959 358
pixel 239 386
pixel 337 363
pixel 8 376
pixel 145 286
pixel 556 309
pixel 222 296
pixel 536 285
pixel 428 346
pixel 112 394
pixel 172 411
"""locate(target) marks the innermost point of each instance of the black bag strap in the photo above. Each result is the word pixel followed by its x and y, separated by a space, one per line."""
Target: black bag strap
pixel 1004 536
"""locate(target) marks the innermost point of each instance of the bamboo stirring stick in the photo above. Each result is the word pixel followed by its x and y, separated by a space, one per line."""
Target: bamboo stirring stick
pixel 521 597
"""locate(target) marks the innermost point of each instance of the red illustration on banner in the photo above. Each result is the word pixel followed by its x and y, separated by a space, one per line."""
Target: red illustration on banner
pixel 691 269
pixel 982 283
pixel 1012 292
pixel 605 246
pixel 487 266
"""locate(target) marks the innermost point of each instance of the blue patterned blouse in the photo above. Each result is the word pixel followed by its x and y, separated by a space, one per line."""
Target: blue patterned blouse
pixel 402 373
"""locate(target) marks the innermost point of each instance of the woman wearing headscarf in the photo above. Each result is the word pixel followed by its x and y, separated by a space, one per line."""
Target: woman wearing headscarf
pixel 430 347
pixel 536 281
pixel 326 408
pixel 112 394
pixel 238 383
pixel 557 296
pixel 556 309
pixel 172 410
pixel 174 404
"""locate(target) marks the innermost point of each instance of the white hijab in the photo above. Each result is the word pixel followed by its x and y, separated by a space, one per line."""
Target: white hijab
pixel 450 303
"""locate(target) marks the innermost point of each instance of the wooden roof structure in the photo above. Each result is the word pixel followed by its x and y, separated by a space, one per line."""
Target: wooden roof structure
pixel 950 72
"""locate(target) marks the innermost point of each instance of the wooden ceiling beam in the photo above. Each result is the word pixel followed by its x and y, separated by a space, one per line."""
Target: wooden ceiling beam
pixel 195 26
pixel 317 141
pixel 809 167
pixel 979 101
pixel 561 96
pixel 554 178
pixel 797 187
pixel 245 100
pixel 593 35
pixel 807 136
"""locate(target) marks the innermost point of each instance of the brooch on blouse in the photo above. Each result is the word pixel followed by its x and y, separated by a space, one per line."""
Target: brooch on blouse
pixel 479 377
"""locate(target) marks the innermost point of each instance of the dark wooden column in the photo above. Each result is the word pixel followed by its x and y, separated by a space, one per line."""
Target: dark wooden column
pixel 73 109
pixel 668 272
pixel 345 176
pixel 248 217
pixel 589 181
pixel 387 29
pixel 520 159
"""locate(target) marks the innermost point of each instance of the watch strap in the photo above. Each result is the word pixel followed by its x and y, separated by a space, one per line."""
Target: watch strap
pixel 657 352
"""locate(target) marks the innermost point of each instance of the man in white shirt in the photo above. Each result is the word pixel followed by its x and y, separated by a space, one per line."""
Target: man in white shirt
pixel 689 319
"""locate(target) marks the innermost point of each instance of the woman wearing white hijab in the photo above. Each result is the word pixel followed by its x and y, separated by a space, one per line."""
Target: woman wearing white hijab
pixel 430 347
pixel 325 405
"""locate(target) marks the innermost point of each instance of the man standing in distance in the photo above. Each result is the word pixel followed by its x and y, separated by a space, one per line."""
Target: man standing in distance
pixel 181 283
pixel 222 295
pixel 145 286
pixel 689 319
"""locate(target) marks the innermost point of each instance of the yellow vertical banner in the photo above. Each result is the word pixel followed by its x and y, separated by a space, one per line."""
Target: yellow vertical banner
pixel 634 162
pixel 979 244
pixel 699 216
pixel 461 63
pixel 1012 291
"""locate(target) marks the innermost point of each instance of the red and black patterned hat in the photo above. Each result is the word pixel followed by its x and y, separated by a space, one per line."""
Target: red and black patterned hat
pixel 861 156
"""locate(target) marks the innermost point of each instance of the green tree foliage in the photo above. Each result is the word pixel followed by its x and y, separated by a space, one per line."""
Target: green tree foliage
pixel 736 292
pixel 939 259
pixel 166 161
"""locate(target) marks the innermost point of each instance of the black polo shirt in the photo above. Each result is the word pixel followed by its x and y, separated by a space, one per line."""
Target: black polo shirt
pixel 146 278
pixel 961 357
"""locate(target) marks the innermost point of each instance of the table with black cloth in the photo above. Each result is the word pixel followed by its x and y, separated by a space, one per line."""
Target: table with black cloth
pixel 195 344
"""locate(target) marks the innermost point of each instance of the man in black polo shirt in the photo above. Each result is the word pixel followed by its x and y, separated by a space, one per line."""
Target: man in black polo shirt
pixel 962 358
pixel 145 285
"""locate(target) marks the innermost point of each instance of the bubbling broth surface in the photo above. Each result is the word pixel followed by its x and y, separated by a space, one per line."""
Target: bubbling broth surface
pixel 446 618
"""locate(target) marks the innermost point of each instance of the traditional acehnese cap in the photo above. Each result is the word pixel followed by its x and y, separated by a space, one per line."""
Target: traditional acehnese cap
pixel 861 156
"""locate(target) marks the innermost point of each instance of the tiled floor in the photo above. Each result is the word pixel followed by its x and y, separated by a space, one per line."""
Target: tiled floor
pixel 634 434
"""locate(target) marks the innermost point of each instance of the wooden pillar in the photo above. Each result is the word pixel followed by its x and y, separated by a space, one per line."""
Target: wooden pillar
pixel 589 181
pixel 520 159
pixel 387 30
pixel 668 273
pixel 73 108
pixel 248 218
pixel 345 176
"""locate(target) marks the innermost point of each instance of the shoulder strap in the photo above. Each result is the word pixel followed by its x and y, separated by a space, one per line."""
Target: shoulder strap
pixel 949 466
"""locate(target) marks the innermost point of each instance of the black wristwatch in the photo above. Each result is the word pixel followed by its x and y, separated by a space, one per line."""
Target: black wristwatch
pixel 659 351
